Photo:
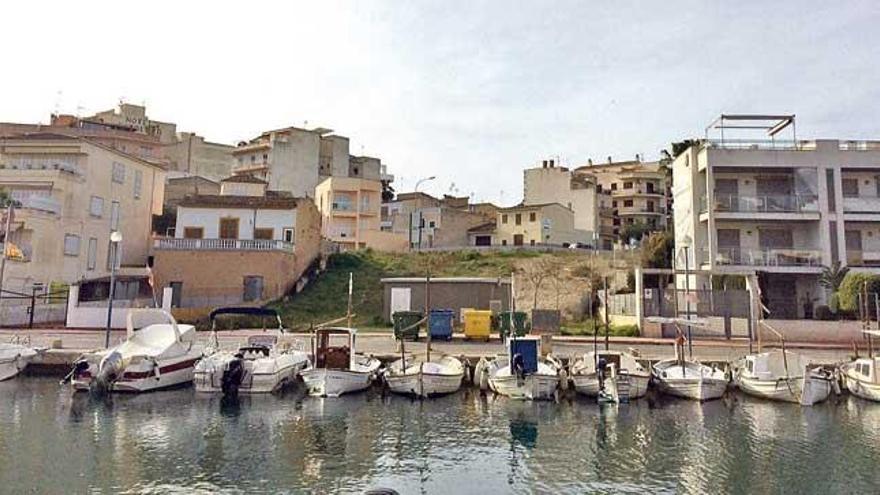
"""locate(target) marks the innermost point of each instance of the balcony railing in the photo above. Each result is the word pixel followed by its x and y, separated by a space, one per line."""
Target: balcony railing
pixel 173 244
pixel 863 204
pixel 775 203
pixel 862 258
pixel 41 203
pixel 764 257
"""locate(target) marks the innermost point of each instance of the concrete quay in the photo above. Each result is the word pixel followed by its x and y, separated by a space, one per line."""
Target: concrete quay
pixel 65 346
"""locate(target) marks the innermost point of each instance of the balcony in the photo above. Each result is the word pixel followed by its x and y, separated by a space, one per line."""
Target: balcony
pixel 174 244
pixel 861 204
pixel 775 203
pixel 862 258
pixel 636 191
pixel 251 167
pixel 764 257
pixel 46 204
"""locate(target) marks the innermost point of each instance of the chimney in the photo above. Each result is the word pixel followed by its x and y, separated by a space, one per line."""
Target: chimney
pixel 544 163
pixel 590 162
pixel 551 163
pixel 638 158
pixel 609 160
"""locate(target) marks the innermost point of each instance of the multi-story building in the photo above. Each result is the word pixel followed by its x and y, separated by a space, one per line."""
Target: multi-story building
pixel 73 192
pixel 550 223
pixel 430 222
pixel 781 208
pixel 245 244
pixel 297 160
pixel 350 214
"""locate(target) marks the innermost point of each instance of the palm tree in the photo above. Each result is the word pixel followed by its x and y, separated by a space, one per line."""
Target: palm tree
pixel 831 277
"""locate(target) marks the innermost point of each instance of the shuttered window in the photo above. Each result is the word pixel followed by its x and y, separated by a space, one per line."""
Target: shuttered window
pixel 96 207
pixel 71 245
pixel 118 173
pixel 93 254
pixel 138 183
pixel 114 216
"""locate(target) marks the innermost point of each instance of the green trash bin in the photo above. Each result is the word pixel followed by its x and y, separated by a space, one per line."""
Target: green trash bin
pixel 520 323
pixel 406 319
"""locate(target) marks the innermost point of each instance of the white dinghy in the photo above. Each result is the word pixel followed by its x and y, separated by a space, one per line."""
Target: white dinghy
pixel 610 376
pixel 784 376
pixel 158 355
pixel 335 368
pixel 860 376
pixel 258 367
pixel 687 378
pixel 521 374
pixel 14 357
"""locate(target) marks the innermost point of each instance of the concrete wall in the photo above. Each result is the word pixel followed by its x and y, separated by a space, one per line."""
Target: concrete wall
pixel 178 188
pixel 190 153
pixel 94 315
pixel 449 295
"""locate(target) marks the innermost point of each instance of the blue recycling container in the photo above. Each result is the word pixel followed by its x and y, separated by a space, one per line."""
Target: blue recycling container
pixel 440 323
pixel 526 350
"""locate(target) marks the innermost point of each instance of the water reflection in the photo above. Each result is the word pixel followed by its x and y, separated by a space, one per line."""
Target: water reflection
pixel 463 443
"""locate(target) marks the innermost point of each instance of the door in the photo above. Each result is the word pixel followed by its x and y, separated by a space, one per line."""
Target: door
pixel 774 193
pixel 253 288
pixel 483 240
pixel 779 293
pixel 176 294
pixel 517 239
pixel 229 228
pixel 853 239
pixel 400 299
pixel 727 195
pixel 728 246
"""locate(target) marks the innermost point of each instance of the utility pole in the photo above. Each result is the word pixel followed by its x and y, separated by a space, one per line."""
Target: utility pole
pixel 5 244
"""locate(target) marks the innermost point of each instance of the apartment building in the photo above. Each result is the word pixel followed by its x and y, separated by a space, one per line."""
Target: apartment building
pixel 244 244
pixel 73 192
pixel 297 160
pixel 350 214
pixel 550 223
pixel 780 207
pixel 430 222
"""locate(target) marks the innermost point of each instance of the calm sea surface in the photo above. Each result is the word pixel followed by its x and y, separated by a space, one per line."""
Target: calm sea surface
pixel 52 441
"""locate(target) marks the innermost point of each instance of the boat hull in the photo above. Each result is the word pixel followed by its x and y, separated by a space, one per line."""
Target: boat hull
pixel 796 390
pixel 531 387
pixel 861 387
pixel 321 382
pixel 693 388
pixel 210 380
pixel 588 384
pixel 143 378
pixel 13 360
pixel 423 385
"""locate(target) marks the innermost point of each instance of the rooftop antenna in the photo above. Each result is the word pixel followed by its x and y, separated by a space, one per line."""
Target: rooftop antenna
pixel 58 96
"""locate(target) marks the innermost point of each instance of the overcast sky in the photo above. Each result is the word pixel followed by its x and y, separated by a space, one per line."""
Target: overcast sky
pixel 469 91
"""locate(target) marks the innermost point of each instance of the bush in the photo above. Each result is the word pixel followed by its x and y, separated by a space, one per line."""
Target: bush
pixel 852 286
pixel 823 312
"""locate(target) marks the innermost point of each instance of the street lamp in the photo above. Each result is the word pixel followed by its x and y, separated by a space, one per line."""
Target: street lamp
pixel 115 241
pixel 421 221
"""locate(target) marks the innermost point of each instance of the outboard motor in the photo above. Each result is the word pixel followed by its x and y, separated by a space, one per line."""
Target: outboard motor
pixel 518 366
pixel 600 372
pixel 108 372
pixel 233 376
pixel 78 368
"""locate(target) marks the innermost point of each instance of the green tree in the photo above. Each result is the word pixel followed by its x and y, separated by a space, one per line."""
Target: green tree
pixel 634 231
pixel 657 250
pixel 832 278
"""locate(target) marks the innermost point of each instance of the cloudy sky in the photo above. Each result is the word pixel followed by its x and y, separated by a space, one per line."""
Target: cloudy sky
pixel 469 91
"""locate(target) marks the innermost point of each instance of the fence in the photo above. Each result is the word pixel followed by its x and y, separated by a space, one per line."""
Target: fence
pixel 21 309
pixel 727 311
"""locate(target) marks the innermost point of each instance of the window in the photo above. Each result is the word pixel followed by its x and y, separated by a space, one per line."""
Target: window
pixel 627 203
pixel 532 216
pixel 265 157
pixel 92 254
pixel 650 187
pixel 850 188
pixel 614 204
pixel 71 245
pixel 829 178
pixel 114 216
pixel 614 186
pixel 518 218
pixel 118 173
pixel 504 218
pixel 650 205
pixel 138 183
pixel 503 242
pixel 229 228
pixel 532 242
pixel 265 234
pixel 628 185
pixel 193 232
pixel 288 235
pixel 432 224
pixel 96 207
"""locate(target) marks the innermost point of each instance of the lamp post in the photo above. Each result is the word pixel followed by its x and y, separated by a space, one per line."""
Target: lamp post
pixel 115 241
pixel 421 222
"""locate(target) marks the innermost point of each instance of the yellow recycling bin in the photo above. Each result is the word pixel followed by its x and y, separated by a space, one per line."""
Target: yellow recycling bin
pixel 477 324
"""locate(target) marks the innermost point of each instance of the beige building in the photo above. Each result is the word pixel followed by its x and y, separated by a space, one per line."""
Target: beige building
pixel 430 222
pixel 780 207
pixel 73 193
pixel 350 214
pixel 245 244
pixel 550 224
pixel 192 155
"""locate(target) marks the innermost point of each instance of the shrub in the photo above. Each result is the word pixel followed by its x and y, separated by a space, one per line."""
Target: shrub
pixel 823 312
pixel 852 286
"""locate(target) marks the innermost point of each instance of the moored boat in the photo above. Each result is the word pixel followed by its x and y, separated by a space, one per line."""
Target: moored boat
pixel 335 368
pixel 860 378
pixel 424 378
pixel 610 376
pixel 14 358
pixel 258 367
pixel 521 373
pixel 155 356
pixel 783 376
pixel 689 379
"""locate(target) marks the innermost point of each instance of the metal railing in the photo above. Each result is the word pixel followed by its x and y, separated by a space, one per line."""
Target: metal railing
pixel 174 244
pixel 758 144
pixel 771 203
pixel 764 257
pixel 862 258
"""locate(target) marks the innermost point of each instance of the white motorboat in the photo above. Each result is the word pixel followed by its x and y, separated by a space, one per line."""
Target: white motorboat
pixel 423 378
pixel 14 358
pixel 521 373
pixel 258 367
pixel 158 355
pixel 335 368
pixel 783 376
pixel 611 376
pixel 689 379
pixel 860 376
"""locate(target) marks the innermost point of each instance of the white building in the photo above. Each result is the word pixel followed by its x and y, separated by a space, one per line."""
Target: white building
pixel 783 208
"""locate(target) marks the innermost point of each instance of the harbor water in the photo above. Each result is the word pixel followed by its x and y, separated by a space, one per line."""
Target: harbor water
pixel 54 441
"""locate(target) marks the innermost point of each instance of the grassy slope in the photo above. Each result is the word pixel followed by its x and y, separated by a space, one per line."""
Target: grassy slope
pixel 326 298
